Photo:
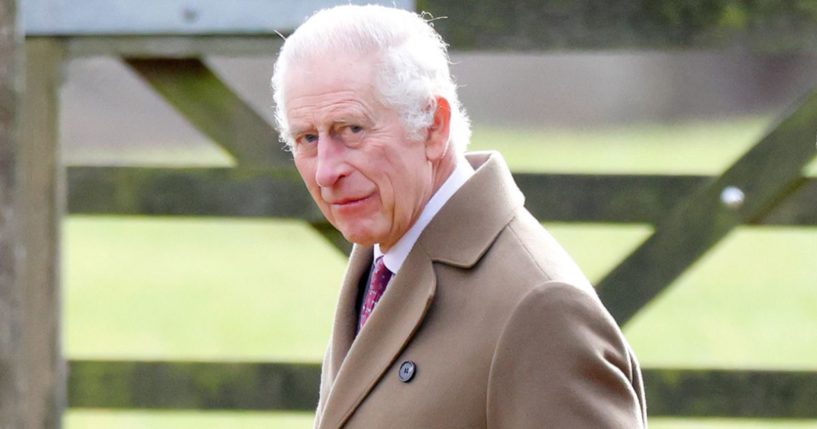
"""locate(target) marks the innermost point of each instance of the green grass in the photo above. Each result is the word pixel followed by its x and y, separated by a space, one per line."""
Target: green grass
pixel 239 289
pixel 185 420
pixel 183 288
pixel 197 289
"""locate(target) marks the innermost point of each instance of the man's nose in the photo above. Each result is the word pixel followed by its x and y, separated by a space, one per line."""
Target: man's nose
pixel 331 163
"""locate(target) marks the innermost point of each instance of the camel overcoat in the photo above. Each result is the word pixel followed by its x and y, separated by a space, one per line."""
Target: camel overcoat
pixel 502 328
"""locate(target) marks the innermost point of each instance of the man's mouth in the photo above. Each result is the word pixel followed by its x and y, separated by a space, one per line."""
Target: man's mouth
pixel 347 202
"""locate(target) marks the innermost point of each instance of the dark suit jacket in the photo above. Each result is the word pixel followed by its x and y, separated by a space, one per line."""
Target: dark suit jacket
pixel 505 331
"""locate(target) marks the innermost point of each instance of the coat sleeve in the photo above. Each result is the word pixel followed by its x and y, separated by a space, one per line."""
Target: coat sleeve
pixel 562 362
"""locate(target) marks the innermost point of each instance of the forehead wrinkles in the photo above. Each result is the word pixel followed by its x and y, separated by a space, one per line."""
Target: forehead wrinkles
pixel 313 110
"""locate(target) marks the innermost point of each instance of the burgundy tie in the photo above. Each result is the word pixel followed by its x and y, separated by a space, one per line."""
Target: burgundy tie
pixel 377 285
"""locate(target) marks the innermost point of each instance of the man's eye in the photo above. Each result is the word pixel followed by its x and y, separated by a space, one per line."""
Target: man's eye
pixel 308 138
pixel 351 133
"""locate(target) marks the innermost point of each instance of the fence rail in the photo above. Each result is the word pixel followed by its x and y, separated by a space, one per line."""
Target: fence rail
pixel 264 192
pixel 294 387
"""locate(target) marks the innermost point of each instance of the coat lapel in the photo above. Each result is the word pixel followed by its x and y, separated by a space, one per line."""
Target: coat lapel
pixel 343 332
pixel 390 327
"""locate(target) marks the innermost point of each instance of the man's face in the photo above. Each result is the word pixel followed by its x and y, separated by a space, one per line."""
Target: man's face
pixel 367 177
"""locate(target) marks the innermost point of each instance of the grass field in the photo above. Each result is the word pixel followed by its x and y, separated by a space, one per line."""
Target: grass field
pixel 182 288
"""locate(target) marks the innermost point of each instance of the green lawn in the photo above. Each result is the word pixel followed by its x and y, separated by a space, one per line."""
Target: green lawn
pixel 185 420
pixel 182 288
pixel 197 289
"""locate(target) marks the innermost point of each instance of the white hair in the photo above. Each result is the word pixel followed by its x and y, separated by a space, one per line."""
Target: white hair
pixel 412 56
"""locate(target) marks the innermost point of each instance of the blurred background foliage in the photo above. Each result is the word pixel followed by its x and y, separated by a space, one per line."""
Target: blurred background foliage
pixel 530 24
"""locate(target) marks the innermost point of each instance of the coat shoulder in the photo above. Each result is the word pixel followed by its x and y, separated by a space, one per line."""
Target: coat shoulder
pixel 525 246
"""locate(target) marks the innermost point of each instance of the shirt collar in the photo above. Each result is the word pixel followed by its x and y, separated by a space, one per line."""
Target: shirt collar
pixel 394 258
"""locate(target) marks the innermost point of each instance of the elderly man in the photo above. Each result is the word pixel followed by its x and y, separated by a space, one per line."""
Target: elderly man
pixel 457 310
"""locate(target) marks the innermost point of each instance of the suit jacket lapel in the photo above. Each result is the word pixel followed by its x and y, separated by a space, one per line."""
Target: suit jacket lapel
pixel 388 330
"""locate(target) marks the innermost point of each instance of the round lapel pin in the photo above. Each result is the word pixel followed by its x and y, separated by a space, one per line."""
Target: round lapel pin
pixel 407 371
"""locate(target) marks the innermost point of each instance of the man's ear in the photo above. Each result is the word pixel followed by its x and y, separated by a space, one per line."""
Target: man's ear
pixel 437 137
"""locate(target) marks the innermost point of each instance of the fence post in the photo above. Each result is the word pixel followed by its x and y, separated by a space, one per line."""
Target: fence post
pixel 12 373
pixel 38 213
pixel 32 375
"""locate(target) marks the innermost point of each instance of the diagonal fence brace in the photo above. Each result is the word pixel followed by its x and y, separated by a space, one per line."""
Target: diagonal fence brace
pixel 745 193
pixel 196 92
pixel 213 108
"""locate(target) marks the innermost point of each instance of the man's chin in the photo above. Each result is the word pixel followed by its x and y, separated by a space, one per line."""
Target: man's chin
pixel 361 238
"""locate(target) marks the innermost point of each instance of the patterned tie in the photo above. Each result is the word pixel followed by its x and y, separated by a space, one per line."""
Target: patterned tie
pixel 377 285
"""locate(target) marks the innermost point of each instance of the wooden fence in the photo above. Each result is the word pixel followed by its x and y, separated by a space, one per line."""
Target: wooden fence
pixel 690 214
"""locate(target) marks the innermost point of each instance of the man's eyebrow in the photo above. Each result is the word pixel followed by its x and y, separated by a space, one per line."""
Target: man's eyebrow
pixel 357 116
pixel 347 121
pixel 298 129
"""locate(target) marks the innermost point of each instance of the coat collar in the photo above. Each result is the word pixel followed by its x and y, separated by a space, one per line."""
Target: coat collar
pixel 470 221
pixel 459 235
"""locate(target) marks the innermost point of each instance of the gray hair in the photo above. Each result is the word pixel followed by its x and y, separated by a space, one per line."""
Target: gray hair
pixel 413 59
